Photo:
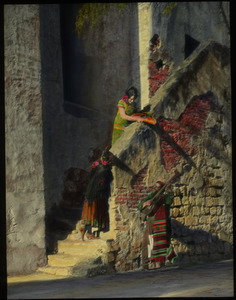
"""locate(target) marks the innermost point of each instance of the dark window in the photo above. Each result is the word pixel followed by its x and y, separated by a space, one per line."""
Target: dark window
pixel 77 94
pixel 190 45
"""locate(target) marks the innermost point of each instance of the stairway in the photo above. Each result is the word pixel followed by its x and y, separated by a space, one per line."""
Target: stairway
pixel 75 257
pixel 78 258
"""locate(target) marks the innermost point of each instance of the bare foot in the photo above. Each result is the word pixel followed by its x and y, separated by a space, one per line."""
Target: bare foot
pixel 82 233
pixel 91 236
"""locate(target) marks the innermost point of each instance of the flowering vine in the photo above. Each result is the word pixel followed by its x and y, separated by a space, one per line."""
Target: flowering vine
pixel 101 161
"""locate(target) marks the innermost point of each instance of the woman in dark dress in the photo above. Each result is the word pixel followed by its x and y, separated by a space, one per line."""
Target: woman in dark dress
pixel 95 209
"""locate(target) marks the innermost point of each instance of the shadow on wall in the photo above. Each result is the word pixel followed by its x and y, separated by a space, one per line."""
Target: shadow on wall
pixel 197 245
pixel 60 222
pixel 122 166
pixel 62 219
pixel 178 133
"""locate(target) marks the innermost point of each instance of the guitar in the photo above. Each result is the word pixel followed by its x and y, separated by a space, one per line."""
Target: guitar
pixel 157 199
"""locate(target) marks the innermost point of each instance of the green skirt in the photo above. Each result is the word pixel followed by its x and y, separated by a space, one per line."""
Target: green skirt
pixel 116 134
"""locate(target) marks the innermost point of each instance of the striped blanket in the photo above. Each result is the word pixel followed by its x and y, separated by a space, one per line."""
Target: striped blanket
pixel 159 248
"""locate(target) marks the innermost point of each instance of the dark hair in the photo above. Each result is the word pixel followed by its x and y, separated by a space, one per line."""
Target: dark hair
pixel 154 39
pixel 132 91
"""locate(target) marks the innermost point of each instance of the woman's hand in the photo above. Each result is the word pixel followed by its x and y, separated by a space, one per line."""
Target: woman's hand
pixel 129 118
pixel 147 203
pixel 139 119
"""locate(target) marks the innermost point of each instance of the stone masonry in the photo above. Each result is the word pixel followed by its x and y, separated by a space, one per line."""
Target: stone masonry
pixel 49 141
pixel 202 215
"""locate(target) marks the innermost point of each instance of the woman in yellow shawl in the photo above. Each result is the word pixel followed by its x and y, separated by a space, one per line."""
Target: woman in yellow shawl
pixel 126 107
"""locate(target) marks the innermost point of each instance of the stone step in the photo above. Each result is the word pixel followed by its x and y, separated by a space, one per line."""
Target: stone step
pixel 78 258
pixel 89 245
pixel 56 271
pixel 76 235
pixel 80 251
pixel 68 260
pixel 90 270
pixel 73 237
pixel 83 270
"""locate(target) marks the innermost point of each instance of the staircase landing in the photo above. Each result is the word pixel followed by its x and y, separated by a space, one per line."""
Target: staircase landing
pixel 78 258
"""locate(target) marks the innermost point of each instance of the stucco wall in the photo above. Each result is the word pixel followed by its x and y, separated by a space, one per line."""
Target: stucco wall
pixel 44 139
pixel 201 20
pixel 25 202
pixel 72 134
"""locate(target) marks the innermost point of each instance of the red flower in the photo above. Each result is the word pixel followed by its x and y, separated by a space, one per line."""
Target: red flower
pixel 125 98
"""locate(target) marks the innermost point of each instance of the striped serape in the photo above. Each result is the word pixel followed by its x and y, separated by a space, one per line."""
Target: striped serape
pixel 161 248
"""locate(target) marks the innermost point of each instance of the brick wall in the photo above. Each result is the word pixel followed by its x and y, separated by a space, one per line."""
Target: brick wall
pixel 156 77
pixel 190 123
pixel 131 199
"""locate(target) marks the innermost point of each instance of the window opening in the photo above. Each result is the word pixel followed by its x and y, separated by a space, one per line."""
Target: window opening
pixel 190 45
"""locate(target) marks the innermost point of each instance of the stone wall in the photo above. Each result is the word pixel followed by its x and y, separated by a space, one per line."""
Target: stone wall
pixel 25 202
pixel 182 28
pixel 193 130
pixel 173 21
pixel 75 134
pixel 45 138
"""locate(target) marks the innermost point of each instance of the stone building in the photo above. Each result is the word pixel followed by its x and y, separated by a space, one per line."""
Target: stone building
pixel 61 92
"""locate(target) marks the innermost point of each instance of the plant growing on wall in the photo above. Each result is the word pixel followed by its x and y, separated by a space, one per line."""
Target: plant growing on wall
pixel 92 13
pixel 168 9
